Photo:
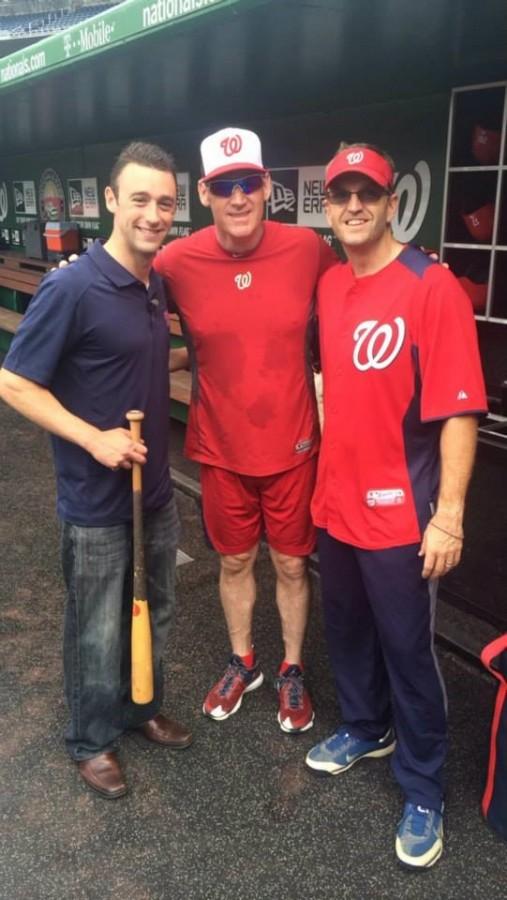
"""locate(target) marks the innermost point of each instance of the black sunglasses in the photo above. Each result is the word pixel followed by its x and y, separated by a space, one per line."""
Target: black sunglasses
pixel 224 187
pixel 340 197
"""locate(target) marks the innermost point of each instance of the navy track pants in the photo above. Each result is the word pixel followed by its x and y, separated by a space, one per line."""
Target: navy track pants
pixel 379 622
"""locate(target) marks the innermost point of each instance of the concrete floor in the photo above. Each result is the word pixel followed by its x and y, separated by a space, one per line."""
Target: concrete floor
pixel 237 816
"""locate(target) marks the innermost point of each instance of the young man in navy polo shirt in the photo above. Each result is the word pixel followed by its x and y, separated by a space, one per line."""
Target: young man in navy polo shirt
pixel 402 390
pixel 92 345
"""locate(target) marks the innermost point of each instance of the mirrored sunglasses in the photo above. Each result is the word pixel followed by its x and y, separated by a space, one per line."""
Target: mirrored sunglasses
pixel 224 187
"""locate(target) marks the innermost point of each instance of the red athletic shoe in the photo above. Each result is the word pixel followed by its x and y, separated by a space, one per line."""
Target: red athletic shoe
pixel 226 696
pixel 296 712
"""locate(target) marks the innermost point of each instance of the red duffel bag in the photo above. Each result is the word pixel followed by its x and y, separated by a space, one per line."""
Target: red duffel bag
pixel 494 801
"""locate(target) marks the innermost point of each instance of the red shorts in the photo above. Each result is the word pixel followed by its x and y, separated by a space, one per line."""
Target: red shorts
pixel 237 509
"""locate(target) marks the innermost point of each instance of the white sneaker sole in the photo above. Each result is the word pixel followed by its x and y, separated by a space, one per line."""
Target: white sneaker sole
pixel 426 861
pixel 290 730
pixel 218 717
pixel 331 768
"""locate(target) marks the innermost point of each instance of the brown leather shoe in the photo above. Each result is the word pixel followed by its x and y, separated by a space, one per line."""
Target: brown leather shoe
pixel 166 731
pixel 103 774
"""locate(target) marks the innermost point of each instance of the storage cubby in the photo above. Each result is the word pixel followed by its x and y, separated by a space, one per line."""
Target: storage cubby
pixel 502 218
pixel 477 126
pixel 474 228
pixel 473 271
pixel 499 299
pixel 471 207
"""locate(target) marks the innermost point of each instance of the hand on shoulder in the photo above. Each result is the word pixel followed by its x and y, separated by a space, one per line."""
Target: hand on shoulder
pixel 65 262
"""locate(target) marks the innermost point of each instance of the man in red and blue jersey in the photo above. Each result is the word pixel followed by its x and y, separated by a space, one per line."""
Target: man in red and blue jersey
pixel 402 390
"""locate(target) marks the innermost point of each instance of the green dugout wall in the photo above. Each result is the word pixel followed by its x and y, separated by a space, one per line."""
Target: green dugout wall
pixel 291 146
pixel 305 74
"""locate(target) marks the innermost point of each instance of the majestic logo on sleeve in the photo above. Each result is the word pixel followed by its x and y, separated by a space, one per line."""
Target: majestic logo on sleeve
pixel 377 346
pixel 243 280
pixel 231 145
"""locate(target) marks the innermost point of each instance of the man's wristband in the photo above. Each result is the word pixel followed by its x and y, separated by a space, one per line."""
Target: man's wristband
pixel 448 533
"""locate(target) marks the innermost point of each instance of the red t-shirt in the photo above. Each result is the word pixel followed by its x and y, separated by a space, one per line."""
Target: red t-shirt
pixel 399 355
pixel 247 323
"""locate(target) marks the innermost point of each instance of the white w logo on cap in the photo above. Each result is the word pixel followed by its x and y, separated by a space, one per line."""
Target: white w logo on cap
pixel 355 157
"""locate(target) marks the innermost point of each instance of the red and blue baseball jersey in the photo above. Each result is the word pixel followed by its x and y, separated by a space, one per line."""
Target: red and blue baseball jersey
pixel 399 356
pixel 247 322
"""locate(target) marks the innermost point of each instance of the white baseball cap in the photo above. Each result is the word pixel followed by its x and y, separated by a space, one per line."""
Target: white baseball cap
pixel 230 149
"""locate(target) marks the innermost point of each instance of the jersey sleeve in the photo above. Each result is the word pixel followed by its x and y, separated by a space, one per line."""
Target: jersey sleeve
pixel 164 265
pixel 327 257
pixel 46 331
pixel 160 261
pixel 449 359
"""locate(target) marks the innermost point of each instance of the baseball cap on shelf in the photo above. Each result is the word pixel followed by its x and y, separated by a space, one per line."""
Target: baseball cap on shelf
pixel 361 160
pixel 479 222
pixel 486 145
pixel 229 150
pixel 477 292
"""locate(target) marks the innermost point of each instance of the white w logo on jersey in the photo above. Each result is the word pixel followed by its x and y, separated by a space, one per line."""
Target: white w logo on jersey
pixel 377 346
pixel 243 280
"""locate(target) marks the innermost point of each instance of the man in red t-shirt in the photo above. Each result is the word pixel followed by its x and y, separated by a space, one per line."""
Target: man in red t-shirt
pixel 402 390
pixel 244 291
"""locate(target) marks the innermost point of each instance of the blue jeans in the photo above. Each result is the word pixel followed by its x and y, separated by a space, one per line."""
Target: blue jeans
pixel 97 567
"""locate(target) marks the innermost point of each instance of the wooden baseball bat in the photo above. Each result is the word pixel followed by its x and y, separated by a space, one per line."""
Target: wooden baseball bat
pixel 141 652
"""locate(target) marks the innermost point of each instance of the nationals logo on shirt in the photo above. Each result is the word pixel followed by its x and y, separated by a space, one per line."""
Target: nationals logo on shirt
pixel 377 346
pixel 243 280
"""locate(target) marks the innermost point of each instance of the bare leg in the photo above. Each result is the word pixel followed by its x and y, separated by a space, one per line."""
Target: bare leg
pixel 237 593
pixel 292 599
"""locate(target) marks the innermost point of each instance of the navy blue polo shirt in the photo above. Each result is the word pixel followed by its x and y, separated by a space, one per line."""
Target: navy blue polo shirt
pixel 96 337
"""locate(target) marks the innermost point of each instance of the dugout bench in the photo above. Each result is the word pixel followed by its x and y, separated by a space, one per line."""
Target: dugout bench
pixel 20 277
pixel 22 274
pixel 181 381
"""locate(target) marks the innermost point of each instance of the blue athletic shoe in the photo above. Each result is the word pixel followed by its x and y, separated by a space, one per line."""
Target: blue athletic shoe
pixel 340 751
pixel 420 838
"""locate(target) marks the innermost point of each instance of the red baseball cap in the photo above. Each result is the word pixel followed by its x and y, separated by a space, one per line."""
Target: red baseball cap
pixel 363 161
pixel 479 223
pixel 486 145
